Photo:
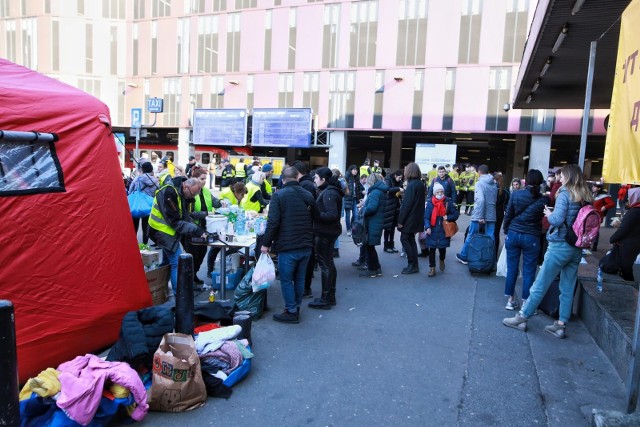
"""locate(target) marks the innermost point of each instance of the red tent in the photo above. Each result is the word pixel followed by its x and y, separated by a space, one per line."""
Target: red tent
pixel 70 260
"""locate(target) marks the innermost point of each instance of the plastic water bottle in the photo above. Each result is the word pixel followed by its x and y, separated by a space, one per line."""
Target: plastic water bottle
pixel 599 283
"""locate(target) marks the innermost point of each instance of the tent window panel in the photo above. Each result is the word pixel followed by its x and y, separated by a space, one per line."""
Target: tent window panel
pixel 28 168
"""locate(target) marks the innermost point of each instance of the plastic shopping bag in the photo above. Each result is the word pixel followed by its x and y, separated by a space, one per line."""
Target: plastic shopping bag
pixel 501 268
pixel 140 204
pixel 264 274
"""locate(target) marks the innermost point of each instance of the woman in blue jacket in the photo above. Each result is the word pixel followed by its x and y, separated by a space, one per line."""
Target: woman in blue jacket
pixel 374 210
pixel 438 209
pixel 561 257
pixel 522 224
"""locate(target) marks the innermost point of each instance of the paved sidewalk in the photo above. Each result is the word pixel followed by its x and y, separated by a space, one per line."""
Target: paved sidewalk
pixel 413 350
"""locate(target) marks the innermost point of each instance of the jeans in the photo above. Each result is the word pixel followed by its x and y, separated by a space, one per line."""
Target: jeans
pixel 561 258
pixel 324 255
pixel 474 228
pixel 292 266
pixel 171 258
pixel 408 241
pixel 351 214
pixel 529 246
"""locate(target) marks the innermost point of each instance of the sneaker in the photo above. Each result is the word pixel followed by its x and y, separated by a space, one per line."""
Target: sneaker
pixel 348 234
pixel 371 273
pixel 516 322
pixel 357 263
pixel 395 251
pixel 287 317
pixel 512 305
pixel 402 253
pixel 460 259
pixel 363 267
pixel 388 250
pixel 307 294
pixel 557 330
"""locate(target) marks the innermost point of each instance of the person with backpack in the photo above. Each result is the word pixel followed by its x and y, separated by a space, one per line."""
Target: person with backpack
pixel 561 258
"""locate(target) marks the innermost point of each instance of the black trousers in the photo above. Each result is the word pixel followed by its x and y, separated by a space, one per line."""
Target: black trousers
pixel 373 263
pixel 432 255
pixel 389 237
pixel 324 255
pixel 145 228
pixel 308 277
pixel 410 247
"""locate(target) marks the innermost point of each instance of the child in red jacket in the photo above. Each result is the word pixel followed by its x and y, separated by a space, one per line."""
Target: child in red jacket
pixel 602 202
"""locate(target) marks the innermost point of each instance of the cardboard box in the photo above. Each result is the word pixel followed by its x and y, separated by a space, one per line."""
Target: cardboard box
pixel 150 257
pixel 158 280
pixel 233 278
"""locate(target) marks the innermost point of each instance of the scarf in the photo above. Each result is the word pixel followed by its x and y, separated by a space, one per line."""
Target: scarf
pixel 439 209
pixel 634 196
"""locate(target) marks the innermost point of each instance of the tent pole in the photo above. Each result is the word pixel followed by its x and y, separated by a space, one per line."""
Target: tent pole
pixel 9 406
pixel 587 104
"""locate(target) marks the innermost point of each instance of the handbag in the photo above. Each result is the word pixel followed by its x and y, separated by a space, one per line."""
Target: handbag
pixel 139 203
pixel 450 227
pixel 611 263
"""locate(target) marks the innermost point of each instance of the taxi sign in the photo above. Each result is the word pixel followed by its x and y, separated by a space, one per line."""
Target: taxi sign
pixel 155 105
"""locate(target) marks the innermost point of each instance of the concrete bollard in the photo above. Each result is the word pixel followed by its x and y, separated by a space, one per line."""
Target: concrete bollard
pixel 9 405
pixel 184 295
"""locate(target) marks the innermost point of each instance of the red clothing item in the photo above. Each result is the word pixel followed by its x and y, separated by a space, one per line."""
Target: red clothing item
pixel 603 201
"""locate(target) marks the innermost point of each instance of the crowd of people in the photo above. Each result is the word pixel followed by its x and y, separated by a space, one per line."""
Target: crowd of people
pixel 534 214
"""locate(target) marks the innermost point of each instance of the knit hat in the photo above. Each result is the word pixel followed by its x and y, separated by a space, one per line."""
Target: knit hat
pixel 437 187
pixel 146 167
pixel 267 168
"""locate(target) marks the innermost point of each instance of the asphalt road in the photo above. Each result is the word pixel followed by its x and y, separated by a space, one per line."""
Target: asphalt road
pixel 412 350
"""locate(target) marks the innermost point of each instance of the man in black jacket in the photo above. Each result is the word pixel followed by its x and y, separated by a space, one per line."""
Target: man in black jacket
pixel 306 182
pixel 290 233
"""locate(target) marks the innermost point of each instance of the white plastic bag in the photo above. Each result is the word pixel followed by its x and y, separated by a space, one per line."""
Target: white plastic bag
pixel 501 268
pixel 264 274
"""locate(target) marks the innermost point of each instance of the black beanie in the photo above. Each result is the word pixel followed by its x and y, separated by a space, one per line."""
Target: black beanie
pixel 147 167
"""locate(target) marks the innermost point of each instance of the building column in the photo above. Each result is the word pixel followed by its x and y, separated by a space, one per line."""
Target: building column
pixel 338 150
pixel 184 139
pixel 519 152
pixel 540 153
pixel 396 151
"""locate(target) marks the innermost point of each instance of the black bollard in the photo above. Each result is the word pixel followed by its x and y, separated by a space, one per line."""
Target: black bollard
pixel 9 406
pixel 184 295
pixel 243 318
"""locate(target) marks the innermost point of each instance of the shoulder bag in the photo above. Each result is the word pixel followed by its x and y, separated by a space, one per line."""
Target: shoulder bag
pixel 139 203
pixel 450 227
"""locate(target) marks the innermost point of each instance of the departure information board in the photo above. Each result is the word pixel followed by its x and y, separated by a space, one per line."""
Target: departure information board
pixel 281 127
pixel 220 127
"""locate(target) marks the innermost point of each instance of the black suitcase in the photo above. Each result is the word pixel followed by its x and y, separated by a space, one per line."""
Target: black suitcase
pixel 481 253
pixel 550 304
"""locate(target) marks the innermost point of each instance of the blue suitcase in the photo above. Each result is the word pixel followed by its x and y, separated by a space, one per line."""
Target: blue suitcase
pixel 481 253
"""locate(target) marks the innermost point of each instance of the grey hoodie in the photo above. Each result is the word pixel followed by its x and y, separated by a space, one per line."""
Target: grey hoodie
pixel 485 199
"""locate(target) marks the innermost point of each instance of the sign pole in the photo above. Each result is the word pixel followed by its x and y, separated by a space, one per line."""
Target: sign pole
pixel 137 151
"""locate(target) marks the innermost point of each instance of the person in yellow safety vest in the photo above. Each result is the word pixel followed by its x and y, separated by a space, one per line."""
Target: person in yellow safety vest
pixel 455 176
pixel 432 174
pixel 254 200
pixel 241 172
pixel 234 194
pixel 462 193
pixel 376 168
pixel 364 169
pixel 472 178
pixel 170 220
pixel 227 178
pixel 267 186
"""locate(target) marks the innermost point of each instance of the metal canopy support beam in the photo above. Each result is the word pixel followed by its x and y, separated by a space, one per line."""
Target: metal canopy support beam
pixel 17 136
pixel 587 104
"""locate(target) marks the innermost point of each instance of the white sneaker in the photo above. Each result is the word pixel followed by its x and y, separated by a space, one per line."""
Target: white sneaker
pixel 348 234
pixel 512 305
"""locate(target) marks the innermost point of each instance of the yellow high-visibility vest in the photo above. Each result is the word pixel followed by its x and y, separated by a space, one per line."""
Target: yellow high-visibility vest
pixel 246 203
pixel 157 220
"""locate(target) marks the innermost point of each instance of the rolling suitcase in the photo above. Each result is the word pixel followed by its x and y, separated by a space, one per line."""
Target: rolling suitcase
pixel 481 254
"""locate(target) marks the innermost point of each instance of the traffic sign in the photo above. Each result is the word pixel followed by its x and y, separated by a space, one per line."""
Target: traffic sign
pixel 136 117
pixel 155 105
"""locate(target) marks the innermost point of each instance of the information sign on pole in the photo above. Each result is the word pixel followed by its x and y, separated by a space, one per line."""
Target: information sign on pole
pixel 136 117
pixel 155 105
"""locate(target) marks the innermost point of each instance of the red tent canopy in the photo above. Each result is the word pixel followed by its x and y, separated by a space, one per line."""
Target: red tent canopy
pixel 70 260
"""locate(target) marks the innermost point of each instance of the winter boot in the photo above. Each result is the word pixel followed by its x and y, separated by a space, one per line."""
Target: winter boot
pixel 432 271
pixel 321 303
pixel 412 268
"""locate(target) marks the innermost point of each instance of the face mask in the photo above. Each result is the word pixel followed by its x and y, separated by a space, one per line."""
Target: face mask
pixel 439 196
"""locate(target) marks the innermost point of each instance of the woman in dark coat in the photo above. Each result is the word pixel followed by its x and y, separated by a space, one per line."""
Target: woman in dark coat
pixel 438 208
pixel 411 216
pixel 394 181
pixel 627 236
pixel 326 229
pixel 374 209
pixel 352 196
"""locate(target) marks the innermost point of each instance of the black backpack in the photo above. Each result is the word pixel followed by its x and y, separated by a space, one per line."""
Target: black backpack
pixel 359 230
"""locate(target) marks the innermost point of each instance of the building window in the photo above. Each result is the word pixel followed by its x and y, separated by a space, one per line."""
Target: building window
pixel 341 99
pixel 55 45
pixel 4 7
pixel 195 94
pixel 418 99
pixel 285 90
pixel 246 4
pixel 378 100
pixel 10 40
pixel 135 59
pixel 193 6
pixel 219 5
pixel 47 7
pixel 80 6
pixel 113 50
pixel 91 86
pixel 449 98
pixel 113 9
pixel 364 32
pixel 88 47
pixel 292 38
pixel 249 84
pixel 217 92
pixel 30 43
pixel 499 91
pixel 29 168
pixel 171 93
pixel 233 42
pixel 208 44
pixel 412 32
pixel 160 8
pixel 138 9
pixel 268 35
pixel 122 90
pixel 537 120
pixel 330 32
pixel 515 30
pixel 470 23
pixel 154 47
pixel 183 45
pixel 311 91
